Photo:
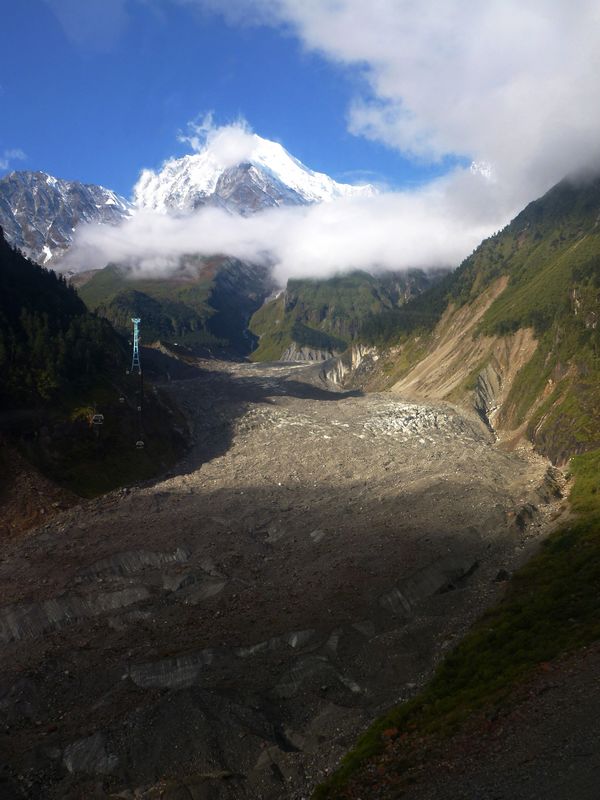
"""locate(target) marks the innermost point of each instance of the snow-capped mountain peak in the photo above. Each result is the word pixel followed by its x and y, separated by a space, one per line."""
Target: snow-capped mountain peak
pixel 239 171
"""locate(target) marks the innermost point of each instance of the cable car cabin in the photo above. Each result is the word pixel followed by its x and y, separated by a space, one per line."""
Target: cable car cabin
pixel 139 444
pixel 98 419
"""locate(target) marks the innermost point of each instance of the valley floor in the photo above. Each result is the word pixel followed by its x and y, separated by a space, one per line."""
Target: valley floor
pixel 227 631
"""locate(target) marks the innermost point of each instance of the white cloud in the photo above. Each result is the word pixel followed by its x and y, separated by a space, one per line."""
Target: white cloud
pixel 511 87
pixel 229 144
pixel 512 84
pixel 387 231
pixel 10 155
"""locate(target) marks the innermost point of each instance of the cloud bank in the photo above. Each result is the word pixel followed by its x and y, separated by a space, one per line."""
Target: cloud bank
pixel 382 232
pixel 512 84
pixel 512 88
pixel 229 144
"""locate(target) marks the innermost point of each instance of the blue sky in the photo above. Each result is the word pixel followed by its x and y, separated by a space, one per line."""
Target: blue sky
pixel 97 96
pixel 467 110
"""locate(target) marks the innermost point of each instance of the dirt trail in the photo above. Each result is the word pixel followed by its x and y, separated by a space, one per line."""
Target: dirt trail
pixel 227 631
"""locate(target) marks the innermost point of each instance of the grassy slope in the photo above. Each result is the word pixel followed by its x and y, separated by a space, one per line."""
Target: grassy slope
pixel 557 292
pixel 552 605
pixel 277 329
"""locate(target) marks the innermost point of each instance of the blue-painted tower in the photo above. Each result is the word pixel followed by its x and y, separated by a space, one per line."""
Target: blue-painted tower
pixel 135 361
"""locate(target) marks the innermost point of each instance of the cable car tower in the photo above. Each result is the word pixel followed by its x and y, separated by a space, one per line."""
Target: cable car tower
pixel 135 361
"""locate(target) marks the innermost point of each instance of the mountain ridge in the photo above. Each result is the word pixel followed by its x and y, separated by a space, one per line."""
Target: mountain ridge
pixel 204 305
pixel 39 213
pixel 317 319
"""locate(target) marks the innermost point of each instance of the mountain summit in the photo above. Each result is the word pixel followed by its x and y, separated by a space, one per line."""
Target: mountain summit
pixel 240 172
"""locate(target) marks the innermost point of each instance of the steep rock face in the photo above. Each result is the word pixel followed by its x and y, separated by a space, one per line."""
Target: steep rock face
pixel 39 213
pixel 344 369
pixel 296 352
pixel 245 189
pixel 461 365
pixel 456 364
pixel 493 384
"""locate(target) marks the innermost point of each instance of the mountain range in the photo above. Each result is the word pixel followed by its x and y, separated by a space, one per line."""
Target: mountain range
pixel 40 215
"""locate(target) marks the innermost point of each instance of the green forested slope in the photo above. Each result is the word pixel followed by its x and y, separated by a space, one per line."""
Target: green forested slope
pixel 329 314
pixel 206 303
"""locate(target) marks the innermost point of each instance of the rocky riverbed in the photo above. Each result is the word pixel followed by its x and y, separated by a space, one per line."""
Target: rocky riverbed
pixel 227 631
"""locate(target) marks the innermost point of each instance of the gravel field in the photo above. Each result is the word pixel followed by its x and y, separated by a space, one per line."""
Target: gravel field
pixel 228 630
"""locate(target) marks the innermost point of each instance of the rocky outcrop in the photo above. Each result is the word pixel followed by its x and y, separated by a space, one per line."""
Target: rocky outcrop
pixel 493 383
pixel 298 352
pixel 28 621
pixel 340 370
pixel 441 576
pixel 488 388
pixel 90 755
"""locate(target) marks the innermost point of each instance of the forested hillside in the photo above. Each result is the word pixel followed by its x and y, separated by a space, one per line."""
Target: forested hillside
pixel 60 366
pixel 205 304
pixel 49 343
